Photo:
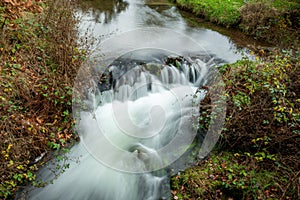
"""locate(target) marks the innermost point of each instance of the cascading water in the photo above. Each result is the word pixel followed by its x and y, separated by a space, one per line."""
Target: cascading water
pixel 137 128
pixel 137 124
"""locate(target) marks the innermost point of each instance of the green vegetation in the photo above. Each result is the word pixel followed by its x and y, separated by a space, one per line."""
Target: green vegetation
pixel 39 58
pixel 263 97
pixel 221 12
pixel 275 21
pixel 226 175
pixel 258 154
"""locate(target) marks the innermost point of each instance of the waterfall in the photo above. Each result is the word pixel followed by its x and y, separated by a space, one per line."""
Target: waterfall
pixel 134 135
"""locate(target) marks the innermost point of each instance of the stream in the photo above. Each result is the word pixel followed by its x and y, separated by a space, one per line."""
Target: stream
pixel 137 102
pixel 108 18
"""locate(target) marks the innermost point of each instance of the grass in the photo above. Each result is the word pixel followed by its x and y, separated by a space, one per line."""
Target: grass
pixel 221 12
pixel 228 12
pixel 276 21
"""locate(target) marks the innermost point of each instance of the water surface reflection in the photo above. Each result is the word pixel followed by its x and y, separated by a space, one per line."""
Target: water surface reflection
pixel 103 11
pixel 115 17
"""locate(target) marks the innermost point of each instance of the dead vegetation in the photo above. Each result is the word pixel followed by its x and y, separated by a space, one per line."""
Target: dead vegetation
pixel 39 59
pixel 267 23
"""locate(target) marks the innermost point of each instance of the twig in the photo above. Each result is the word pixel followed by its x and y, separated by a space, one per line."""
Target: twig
pixel 3 23
pixel 288 185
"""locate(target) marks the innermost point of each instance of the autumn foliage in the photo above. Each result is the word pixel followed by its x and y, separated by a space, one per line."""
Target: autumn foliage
pixel 39 59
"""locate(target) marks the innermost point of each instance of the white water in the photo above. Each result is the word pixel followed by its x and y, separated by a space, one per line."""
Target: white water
pixel 130 138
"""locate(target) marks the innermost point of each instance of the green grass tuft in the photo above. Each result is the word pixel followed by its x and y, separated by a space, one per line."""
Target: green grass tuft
pixel 221 12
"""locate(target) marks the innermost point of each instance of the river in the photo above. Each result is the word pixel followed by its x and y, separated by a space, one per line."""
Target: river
pixel 108 18
pixel 137 125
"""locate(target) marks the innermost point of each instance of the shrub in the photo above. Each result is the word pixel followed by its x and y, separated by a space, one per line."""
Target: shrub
pixel 260 137
pixel 256 18
pixel 272 22
pixel 263 105
pixel 39 58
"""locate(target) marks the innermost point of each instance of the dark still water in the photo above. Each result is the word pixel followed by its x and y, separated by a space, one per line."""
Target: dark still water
pixel 107 18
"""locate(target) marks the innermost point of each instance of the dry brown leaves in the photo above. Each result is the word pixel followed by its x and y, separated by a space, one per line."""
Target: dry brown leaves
pixel 16 8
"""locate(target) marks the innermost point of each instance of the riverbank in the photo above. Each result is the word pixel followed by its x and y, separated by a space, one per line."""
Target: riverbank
pixel 276 22
pixel 257 156
pixel 39 59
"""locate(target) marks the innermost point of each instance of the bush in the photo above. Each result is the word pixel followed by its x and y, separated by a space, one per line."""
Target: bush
pixel 263 106
pixel 39 58
pixel 256 17
pixel 271 23
pixel 260 139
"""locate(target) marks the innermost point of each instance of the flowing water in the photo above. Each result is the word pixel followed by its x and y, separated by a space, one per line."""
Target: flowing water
pixel 106 18
pixel 139 96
